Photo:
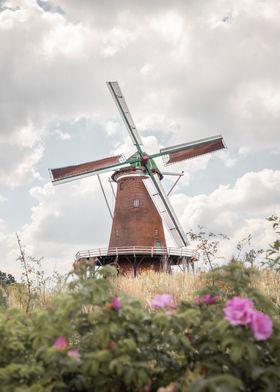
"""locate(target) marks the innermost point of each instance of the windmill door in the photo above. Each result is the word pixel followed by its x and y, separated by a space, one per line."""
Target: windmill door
pixel 157 247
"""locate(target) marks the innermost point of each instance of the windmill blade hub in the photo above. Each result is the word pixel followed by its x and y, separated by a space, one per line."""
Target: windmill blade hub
pixel 145 159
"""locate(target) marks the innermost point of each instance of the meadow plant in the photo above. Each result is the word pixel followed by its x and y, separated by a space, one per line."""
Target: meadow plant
pixel 92 338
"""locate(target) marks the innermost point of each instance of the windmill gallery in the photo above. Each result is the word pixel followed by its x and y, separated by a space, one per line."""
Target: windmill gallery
pixel 137 240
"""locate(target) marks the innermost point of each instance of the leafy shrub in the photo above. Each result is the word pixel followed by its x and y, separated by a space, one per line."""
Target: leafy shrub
pixel 5 281
pixel 90 340
pixel 6 278
pixel 273 252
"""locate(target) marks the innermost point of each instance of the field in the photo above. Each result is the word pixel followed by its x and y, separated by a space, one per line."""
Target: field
pixel 144 287
pixel 159 332
pixel 183 286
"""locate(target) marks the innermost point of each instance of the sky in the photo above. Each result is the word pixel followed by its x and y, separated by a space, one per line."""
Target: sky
pixel 188 70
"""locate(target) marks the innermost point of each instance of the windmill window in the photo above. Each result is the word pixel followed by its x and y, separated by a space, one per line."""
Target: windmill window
pixel 117 232
pixel 156 233
pixel 136 203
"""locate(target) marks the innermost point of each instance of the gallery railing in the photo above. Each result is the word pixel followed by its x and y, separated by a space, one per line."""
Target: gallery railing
pixel 137 250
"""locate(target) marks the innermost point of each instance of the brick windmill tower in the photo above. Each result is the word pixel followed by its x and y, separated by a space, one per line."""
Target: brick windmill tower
pixel 137 240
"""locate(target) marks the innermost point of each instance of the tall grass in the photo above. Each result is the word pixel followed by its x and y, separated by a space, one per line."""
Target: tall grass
pixel 144 287
pixel 268 281
pixel 149 283
pixel 184 285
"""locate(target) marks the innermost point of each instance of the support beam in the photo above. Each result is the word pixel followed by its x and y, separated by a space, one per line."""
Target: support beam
pixel 105 197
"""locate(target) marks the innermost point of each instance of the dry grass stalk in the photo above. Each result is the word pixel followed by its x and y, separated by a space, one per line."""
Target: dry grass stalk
pixel 181 285
pixel 184 285
pixel 268 282
pixel 149 283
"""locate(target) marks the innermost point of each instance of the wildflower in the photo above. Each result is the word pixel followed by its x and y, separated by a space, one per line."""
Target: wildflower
pixel 116 303
pixel 197 300
pixel 61 343
pixel 208 299
pixel 170 388
pixel 238 311
pixel 261 325
pixel 74 353
pixel 162 301
pixel 111 345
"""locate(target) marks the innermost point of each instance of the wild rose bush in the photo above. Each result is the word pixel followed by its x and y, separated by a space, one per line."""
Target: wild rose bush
pixel 91 339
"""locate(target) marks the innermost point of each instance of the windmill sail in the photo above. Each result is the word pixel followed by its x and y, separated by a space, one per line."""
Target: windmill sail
pixel 165 210
pixel 124 111
pixel 185 151
pixel 70 173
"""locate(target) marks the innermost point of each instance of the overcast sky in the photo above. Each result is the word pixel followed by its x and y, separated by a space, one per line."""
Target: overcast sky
pixel 188 69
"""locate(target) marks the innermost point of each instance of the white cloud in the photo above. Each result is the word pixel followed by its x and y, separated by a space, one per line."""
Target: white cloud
pixel 201 68
pixel 2 199
pixel 188 70
pixel 113 128
pixel 232 158
pixel 62 135
pixel 236 211
pixel 65 219
pixel 18 164
pixel 170 25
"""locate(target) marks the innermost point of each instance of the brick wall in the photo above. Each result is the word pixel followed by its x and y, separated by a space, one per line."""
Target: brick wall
pixel 136 220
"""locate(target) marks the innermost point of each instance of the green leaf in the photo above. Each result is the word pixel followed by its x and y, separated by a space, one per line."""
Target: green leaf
pixel 235 353
pixel 220 383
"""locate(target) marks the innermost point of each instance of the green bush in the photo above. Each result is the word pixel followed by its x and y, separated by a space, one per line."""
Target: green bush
pixel 89 340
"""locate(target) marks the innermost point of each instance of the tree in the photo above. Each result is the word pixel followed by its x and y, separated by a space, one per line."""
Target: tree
pixel 249 256
pixel 273 252
pixel 32 276
pixel 6 279
pixel 207 243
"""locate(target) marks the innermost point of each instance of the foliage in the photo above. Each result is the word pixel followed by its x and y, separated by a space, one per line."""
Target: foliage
pixel 90 339
pixel 206 243
pixel 32 277
pixel 273 252
pixel 6 279
pixel 247 256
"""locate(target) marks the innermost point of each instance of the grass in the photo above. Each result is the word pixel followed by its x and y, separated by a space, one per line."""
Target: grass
pixel 268 282
pixel 184 285
pixel 181 285
pixel 149 283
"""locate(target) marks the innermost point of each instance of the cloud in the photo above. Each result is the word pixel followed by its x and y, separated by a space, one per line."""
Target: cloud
pixel 2 198
pixel 65 219
pixel 73 216
pixel 237 210
pixel 188 70
pixel 231 158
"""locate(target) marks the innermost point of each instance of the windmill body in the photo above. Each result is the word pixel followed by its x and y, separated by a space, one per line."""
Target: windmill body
pixel 137 240
pixel 136 221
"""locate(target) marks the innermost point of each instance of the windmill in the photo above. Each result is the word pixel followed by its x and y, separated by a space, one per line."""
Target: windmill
pixel 137 240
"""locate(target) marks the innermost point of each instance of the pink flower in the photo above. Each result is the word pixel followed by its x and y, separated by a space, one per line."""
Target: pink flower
pixel 197 300
pixel 238 311
pixel 111 345
pixel 116 303
pixel 162 301
pixel 74 353
pixel 61 343
pixel 170 388
pixel 261 325
pixel 210 299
